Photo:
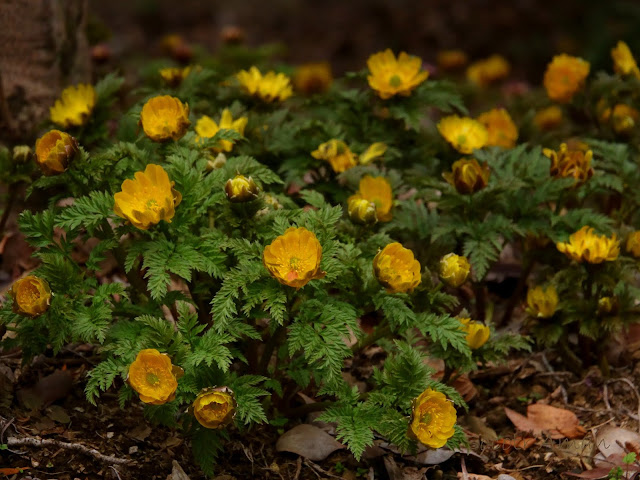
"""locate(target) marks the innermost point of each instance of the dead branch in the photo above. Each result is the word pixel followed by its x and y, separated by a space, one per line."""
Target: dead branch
pixel 47 442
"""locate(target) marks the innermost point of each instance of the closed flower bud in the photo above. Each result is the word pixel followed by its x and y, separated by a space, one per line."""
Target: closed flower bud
pixel 54 151
pixel 432 419
pixel 454 269
pixel 215 407
pixel 232 35
pixel 22 153
pixel 633 243
pixel 542 302
pixel 397 269
pixel 31 296
pixel 468 176
pixel 477 333
pixel 361 210
pixel 240 189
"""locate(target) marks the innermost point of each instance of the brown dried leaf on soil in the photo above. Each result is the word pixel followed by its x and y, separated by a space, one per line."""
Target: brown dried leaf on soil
pixel 556 422
pixel 308 441
pixel 616 440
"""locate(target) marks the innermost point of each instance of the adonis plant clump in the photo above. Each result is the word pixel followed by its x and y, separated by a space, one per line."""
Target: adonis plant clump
pixel 264 234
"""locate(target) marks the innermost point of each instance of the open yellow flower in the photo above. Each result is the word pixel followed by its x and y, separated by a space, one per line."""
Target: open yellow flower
pixel 454 269
pixel 206 127
pixel 432 419
pixel 74 106
pixel 147 199
pixel 477 333
pixel 215 407
pixel 337 153
pixel 54 151
pixel 397 269
pixel 165 117
pixel 500 127
pixel 173 76
pixel 548 118
pixel 31 296
pixel 390 76
pixel 565 76
pixel 378 191
pixel 463 133
pixel 468 176
pixel 633 244
pixel 587 246
pixel 313 78
pixel 451 59
pixel 154 377
pixel 542 302
pixel 489 70
pixel 268 87
pixel 294 257
pixel 623 118
pixel 623 61
pixel 567 163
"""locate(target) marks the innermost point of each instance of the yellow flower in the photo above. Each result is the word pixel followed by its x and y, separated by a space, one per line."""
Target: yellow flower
pixel 622 117
pixel 154 377
pixel 174 76
pixel 587 246
pixel 31 296
pixel 390 76
pixel 215 407
pixel 313 78
pixel 454 269
pixel 207 128
pixel 269 87
pixel 451 59
pixel 607 306
pixel 567 163
pixel 548 118
pixel 147 199
pixel 54 151
pixel 240 189
pixel 164 117
pixel 500 127
pixel 294 257
pixel 397 269
pixel 489 70
pixel 337 153
pixel 372 152
pixel 378 191
pixel 477 333
pixel 463 133
pixel 432 419
pixel 565 75
pixel 623 61
pixel 542 302
pixel 74 106
pixel 361 210
pixel 633 243
pixel 468 176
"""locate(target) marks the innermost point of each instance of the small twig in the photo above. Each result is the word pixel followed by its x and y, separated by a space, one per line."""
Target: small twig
pixel 320 469
pixel 115 470
pixel 296 476
pixel 633 388
pixel 46 442
pixel 4 429
pixel 463 467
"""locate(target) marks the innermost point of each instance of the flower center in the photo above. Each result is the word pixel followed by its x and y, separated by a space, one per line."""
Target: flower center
pixel 28 294
pixel 425 418
pixel 462 139
pixel 152 204
pixel 152 379
pixel 395 81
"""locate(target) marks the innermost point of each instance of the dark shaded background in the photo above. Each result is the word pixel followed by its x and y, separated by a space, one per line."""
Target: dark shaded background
pixel 346 32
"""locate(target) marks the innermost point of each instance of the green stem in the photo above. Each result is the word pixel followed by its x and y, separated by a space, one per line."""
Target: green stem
pixel 383 330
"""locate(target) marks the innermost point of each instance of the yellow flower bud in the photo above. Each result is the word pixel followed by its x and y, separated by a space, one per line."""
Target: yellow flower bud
pixel 361 210
pixel 542 303
pixel 22 153
pixel 454 269
pixel 633 244
pixel 567 163
pixel 607 306
pixel 31 296
pixel 477 333
pixel 468 176
pixel 241 189
pixel 432 419
pixel 54 152
pixel 397 269
pixel 215 407
pixel 548 118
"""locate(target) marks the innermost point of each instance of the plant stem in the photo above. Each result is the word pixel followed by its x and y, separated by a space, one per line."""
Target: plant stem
pixel 519 290
pixel 278 336
pixel 12 194
pixel 383 330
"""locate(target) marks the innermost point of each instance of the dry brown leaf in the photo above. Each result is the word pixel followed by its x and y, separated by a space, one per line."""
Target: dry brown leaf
pixel 555 422
pixel 519 443
pixel 613 440
pixel 309 442
pixel 465 387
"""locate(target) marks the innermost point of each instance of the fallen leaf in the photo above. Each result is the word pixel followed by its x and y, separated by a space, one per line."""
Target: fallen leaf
pixel 398 473
pixel 465 387
pixel 611 440
pixel 309 442
pixel 556 422
pixel 477 425
pixel 434 457
pixel 473 476
pixel 58 414
pixel 47 390
pixel 519 443
pixel 13 470
pixel 140 432
pixel 177 473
